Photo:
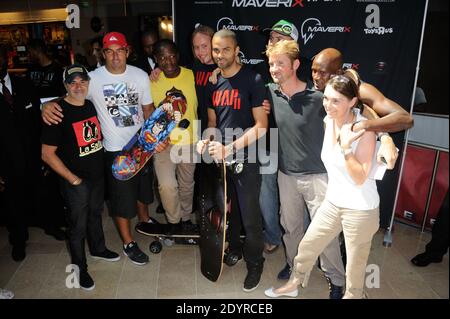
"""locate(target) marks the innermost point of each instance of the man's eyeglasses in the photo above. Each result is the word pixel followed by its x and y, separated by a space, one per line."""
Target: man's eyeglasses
pixel 119 51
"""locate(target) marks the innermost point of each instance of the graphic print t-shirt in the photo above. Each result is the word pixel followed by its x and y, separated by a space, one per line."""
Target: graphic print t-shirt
pixel 118 99
pixel 48 80
pixel 233 99
pixel 181 87
pixel 78 138
pixel 202 72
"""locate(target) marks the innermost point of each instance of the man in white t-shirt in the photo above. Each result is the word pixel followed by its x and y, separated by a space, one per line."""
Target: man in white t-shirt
pixel 122 99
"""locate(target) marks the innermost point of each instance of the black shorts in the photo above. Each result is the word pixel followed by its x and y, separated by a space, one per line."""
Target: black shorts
pixel 123 195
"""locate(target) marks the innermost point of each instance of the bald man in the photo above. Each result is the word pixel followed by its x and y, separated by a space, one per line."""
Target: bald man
pixel 391 116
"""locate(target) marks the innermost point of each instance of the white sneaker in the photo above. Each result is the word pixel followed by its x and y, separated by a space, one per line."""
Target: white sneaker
pixel 270 293
pixel 6 294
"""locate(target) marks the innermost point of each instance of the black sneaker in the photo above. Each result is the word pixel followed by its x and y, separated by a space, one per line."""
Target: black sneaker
pixel 86 281
pixel 107 255
pixel 336 292
pixel 173 229
pixel 424 259
pixel 285 273
pixel 251 281
pixel 136 255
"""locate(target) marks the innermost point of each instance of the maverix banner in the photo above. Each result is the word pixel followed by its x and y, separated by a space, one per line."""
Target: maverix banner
pixel 379 38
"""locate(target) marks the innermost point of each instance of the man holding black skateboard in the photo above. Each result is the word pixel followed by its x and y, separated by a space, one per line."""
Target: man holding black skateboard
pixel 236 104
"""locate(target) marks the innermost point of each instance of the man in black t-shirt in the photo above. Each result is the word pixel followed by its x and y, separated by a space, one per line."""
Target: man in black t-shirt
pixel 202 67
pixel 46 74
pixel 236 110
pixel 74 150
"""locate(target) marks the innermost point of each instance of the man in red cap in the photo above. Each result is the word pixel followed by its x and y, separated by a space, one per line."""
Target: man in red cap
pixel 122 98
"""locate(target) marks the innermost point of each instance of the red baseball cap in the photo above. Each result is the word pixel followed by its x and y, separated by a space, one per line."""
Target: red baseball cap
pixel 114 38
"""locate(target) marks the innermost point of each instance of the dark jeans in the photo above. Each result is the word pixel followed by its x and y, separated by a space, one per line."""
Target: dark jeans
pixel 85 203
pixel 244 190
pixel 438 245
pixel 51 206
pixel 270 207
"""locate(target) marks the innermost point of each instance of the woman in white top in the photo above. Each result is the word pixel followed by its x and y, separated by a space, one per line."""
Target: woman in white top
pixel 351 202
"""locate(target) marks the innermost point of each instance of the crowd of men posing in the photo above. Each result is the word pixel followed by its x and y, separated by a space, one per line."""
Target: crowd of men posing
pixel 324 148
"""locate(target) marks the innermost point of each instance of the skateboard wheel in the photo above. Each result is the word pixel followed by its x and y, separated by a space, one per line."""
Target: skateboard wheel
pixel 155 247
pixel 231 259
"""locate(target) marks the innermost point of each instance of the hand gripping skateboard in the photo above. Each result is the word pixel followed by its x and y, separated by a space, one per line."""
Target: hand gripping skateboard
pixel 156 129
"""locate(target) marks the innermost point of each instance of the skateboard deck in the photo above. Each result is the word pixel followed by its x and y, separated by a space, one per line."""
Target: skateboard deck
pixel 156 129
pixel 213 219
pixel 161 234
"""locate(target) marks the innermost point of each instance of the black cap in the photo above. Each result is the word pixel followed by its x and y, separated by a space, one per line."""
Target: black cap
pixel 75 70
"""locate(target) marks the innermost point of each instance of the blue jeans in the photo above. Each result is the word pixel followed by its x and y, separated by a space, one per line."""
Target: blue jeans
pixel 270 207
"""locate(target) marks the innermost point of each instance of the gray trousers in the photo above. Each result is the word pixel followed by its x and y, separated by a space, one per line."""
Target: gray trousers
pixel 295 192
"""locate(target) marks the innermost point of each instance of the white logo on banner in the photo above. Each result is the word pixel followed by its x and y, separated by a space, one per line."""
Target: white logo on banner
pixel 248 61
pixel 373 21
pixel 313 25
pixel 267 3
pixel 227 23
pixel 353 66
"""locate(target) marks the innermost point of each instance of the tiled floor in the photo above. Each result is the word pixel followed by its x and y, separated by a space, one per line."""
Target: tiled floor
pixel 175 272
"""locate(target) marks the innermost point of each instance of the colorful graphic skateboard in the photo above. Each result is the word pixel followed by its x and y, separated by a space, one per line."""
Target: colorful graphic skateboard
pixel 156 129
pixel 161 234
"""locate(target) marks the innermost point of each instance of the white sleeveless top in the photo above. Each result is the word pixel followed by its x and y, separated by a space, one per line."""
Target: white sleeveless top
pixel 342 190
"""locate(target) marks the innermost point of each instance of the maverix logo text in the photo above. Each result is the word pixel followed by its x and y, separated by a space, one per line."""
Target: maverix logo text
pixel 267 3
pixel 353 66
pixel 244 60
pixel 227 23
pixel 312 26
